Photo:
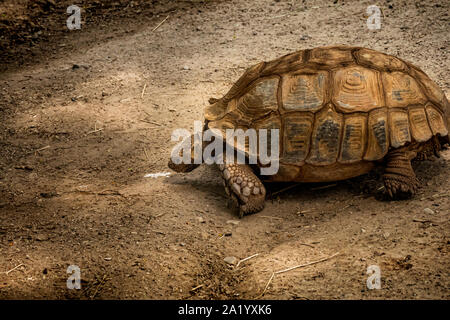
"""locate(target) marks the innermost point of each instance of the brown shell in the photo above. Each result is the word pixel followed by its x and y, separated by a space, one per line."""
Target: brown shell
pixel 335 105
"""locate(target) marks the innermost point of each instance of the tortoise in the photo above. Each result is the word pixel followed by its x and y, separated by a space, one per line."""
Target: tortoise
pixel 340 111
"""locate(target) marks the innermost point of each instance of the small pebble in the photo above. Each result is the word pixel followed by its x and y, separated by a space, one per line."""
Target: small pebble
pixel 428 211
pixel 231 260
pixel 233 222
pixel 41 237
pixel 204 235
pixel 200 219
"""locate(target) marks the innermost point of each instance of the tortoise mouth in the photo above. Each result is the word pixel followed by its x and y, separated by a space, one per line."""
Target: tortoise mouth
pixel 182 167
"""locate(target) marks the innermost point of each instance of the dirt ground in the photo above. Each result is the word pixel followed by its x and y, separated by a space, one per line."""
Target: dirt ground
pixel 86 114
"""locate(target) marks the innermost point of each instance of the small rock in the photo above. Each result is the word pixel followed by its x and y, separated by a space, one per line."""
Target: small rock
pixel 233 222
pixel 108 259
pixel 204 235
pixel 231 260
pixel 428 211
pixel 182 244
pixel 186 68
pixel 200 220
pixel 41 237
pixel 48 194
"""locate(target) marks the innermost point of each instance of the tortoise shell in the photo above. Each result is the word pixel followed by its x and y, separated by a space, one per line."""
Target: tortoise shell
pixel 338 104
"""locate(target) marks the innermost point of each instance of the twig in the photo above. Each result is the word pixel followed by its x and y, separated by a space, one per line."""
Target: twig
pixel 109 193
pixel 196 288
pixel 100 284
pixel 306 264
pixel 292 268
pixel 324 187
pixel 143 90
pixel 159 215
pixel 40 149
pixel 152 122
pixel 284 189
pixel 268 283
pixel 306 211
pixel 271 217
pixel 343 208
pixel 245 259
pixel 160 24
pixel 308 245
pixel 94 131
pixel 146 155
pixel 101 193
pixel 7 272
pixel 276 17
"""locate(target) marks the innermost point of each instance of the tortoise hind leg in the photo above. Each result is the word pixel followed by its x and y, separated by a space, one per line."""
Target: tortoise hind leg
pixel 246 191
pixel 399 178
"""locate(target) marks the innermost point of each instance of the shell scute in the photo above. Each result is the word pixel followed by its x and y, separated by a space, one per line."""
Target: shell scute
pixel 399 128
pixel 354 138
pixel 267 124
pixel 303 92
pixel 436 120
pixel 357 89
pixel 297 130
pixel 432 90
pixel 260 100
pixel 401 90
pixel 377 135
pixel 331 56
pixel 325 137
pixel 420 129
pixel 378 60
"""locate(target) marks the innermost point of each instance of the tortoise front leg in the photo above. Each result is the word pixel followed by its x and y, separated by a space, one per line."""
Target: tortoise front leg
pixel 246 191
pixel 399 178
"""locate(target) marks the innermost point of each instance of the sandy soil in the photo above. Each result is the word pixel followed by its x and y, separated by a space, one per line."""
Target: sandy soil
pixel 86 114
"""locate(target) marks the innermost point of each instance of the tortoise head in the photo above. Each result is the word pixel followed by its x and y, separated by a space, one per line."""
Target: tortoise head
pixel 183 156
pixel 182 167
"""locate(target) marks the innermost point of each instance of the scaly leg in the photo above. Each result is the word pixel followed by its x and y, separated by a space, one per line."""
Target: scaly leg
pixel 246 191
pixel 399 178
